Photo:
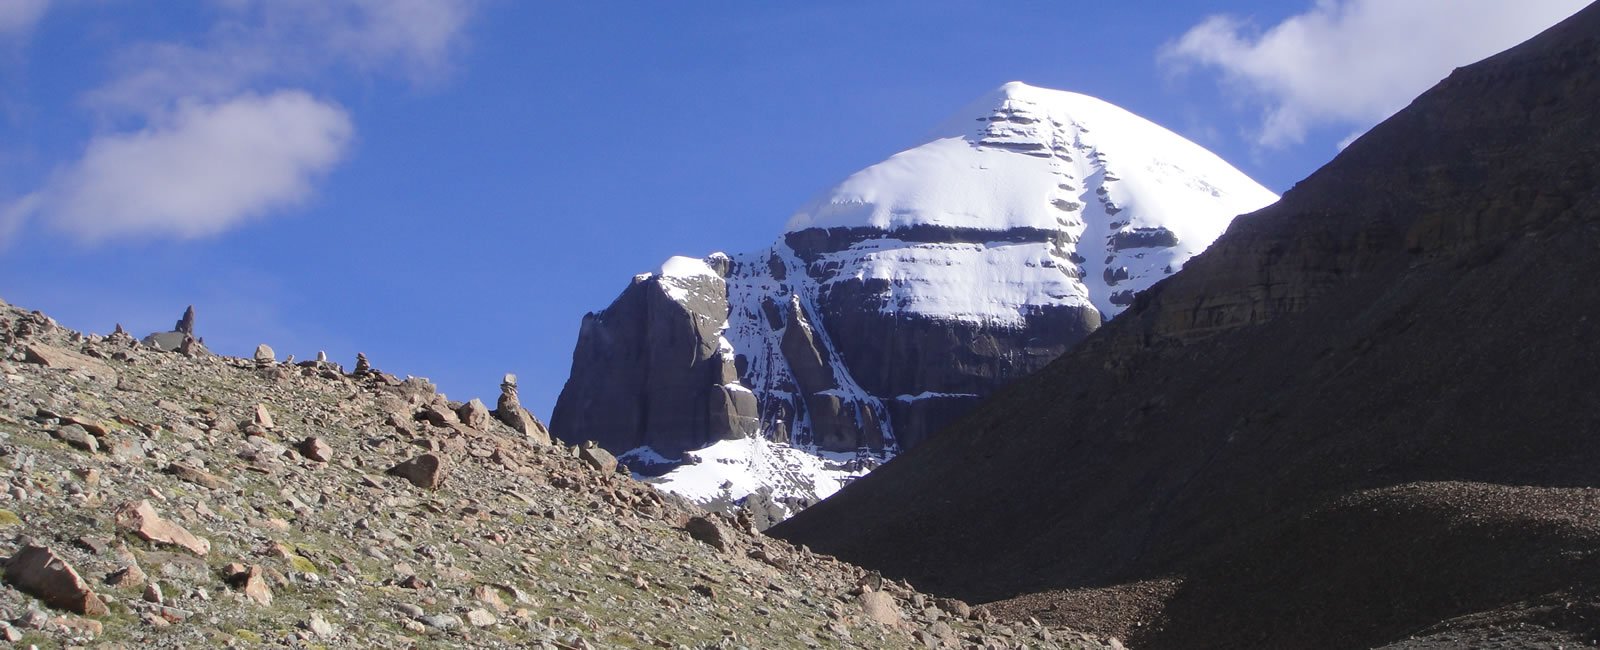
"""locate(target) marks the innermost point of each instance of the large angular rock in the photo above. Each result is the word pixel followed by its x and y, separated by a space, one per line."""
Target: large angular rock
pixel 141 519
pixel 427 471
pixel 880 607
pixel 39 571
pixel 597 457
pixel 474 414
pixel 54 357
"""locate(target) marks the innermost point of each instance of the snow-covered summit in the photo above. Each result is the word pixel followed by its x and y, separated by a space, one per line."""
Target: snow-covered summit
pixel 899 298
pixel 1015 156
pixel 1097 204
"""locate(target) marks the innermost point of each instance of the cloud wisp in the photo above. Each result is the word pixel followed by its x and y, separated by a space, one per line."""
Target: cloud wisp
pixel 1352 63
pixel 199 172
pixel 17 17
pixel 221 133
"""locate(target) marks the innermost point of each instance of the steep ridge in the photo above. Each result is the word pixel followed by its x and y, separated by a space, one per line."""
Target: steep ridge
pixel 1366 413
pixel 900 297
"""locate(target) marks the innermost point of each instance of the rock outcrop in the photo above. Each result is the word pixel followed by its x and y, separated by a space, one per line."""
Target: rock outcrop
pixel 1365 416
pixel 917 286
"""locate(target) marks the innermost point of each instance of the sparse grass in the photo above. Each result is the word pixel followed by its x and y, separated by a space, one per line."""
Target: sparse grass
pixel 301 564
pixel 9 518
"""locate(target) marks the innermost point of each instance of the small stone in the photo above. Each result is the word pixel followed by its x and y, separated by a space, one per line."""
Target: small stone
pixel 89 475
pixel 489 596
pixel 480 618
pixel 316 449
pixel 141 519
pixel 39 571
pixel 196 476
pixel 125 449
pixel 441 621
pixel 265 356
pixel 250 581
pixel 262 418
pixel 706 530
pixel 409 611
pixel 953 607
pixel 128 577
pixel 32 619
pixel 319 625
pixel 152 593
pixel 82 626
pixel 426 471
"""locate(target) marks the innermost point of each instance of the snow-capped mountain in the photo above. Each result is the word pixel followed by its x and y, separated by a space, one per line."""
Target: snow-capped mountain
pixel 897 298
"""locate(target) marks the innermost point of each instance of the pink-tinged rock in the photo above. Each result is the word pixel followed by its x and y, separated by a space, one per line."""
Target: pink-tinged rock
pixel 141 519
pixel 39 571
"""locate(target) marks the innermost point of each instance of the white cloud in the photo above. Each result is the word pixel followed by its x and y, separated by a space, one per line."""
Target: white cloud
pixel 197 172
pixel 1353 63
pixel 17 17
pixel 268 41
pixel 218 135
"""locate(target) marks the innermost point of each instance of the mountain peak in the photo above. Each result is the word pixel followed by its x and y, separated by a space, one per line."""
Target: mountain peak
pixel 1126 201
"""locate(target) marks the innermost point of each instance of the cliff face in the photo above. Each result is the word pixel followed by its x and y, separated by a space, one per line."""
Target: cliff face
pixel 903 295
pixel 1371 402
pixel 652 362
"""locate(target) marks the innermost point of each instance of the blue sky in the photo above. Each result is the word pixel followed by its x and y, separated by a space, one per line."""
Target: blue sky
pixel 449 185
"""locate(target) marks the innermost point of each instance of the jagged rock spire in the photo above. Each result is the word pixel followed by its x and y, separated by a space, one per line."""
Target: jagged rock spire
pixel 186 324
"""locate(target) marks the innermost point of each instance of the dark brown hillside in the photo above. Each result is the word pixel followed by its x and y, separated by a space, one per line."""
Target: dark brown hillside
pixel 1368 412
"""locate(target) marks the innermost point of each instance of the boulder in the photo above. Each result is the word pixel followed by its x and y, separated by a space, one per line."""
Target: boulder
pixel 597 457
pixel 708 531
pixel 880 607
pixel 316 449
pixel 37 570
pixel 53 357
pixel 265 356
pixel 77 437
pixel 250 581
pixel 262 417
pixel 474 414
pixel 141 519
pixel 427 471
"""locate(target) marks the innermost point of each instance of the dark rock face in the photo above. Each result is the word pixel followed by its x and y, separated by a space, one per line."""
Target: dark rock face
pixel 820 360
pixel 649 370
pixel 1366 413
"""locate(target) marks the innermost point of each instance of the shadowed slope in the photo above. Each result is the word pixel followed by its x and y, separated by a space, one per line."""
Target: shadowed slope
pixel 1415 313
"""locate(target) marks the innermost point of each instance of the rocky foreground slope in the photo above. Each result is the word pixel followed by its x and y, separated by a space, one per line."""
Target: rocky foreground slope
pixel 153 498
pixel 1366 416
